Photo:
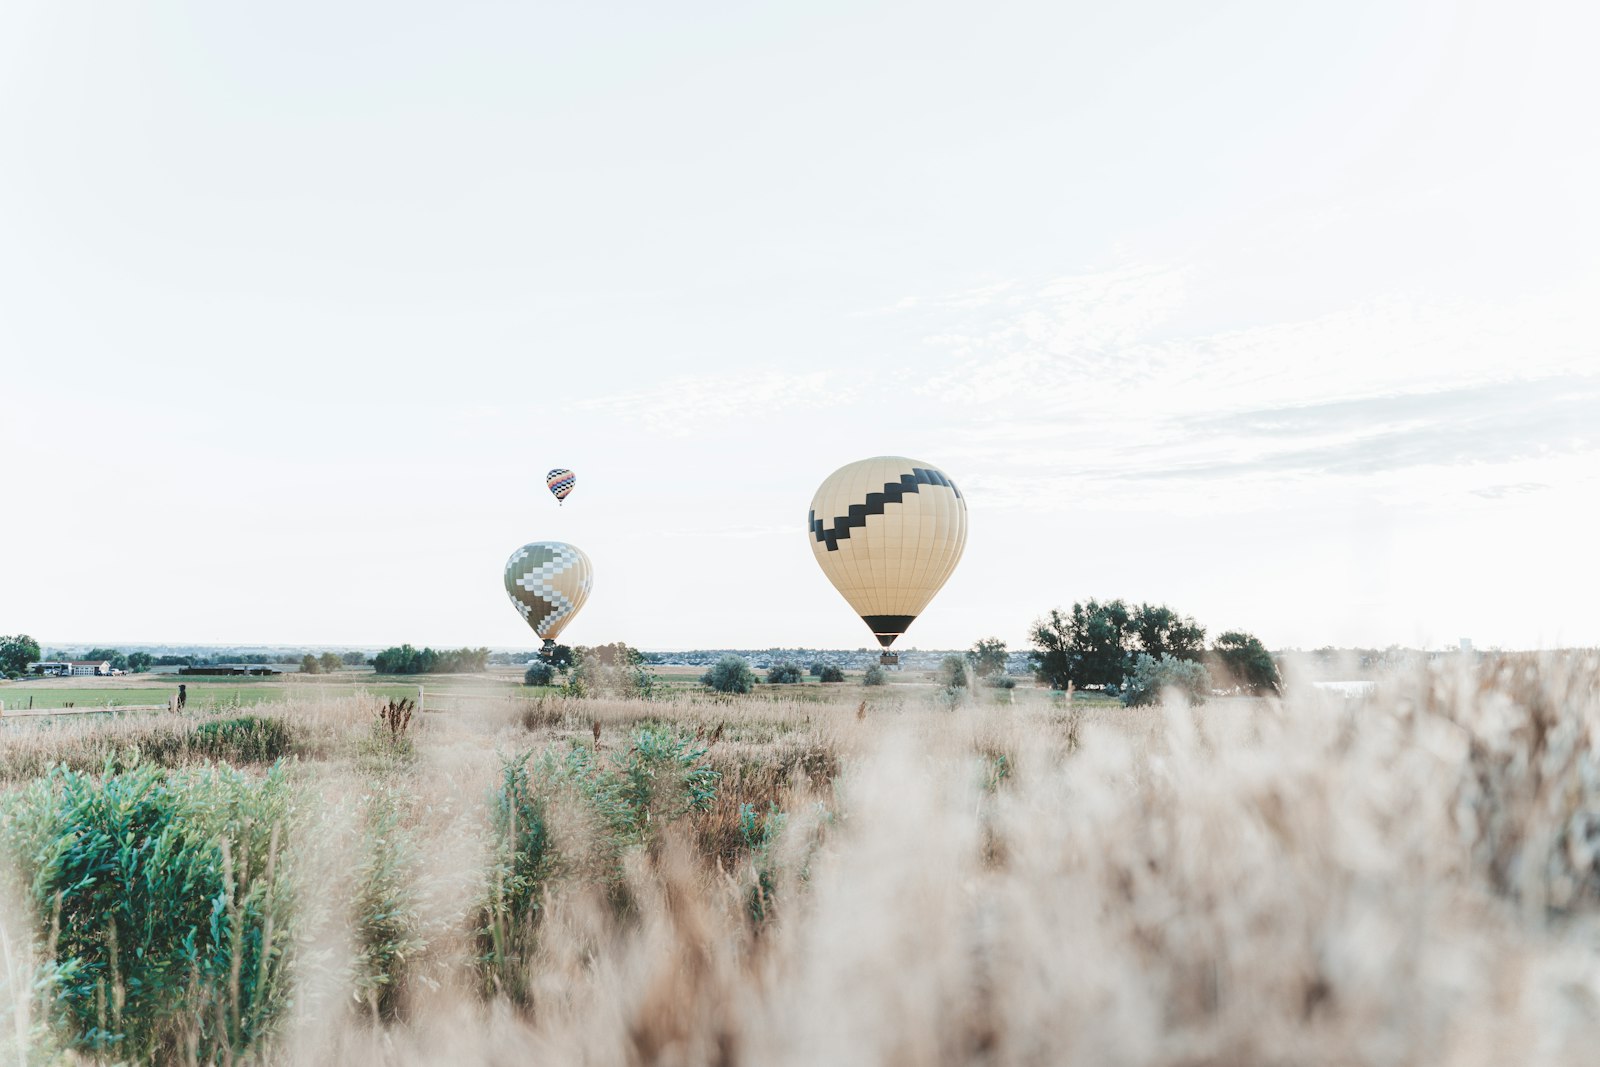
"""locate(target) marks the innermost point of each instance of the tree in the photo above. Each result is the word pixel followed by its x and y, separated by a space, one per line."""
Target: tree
pixel 16 652
pixel 330 661
pixel 615 670
pixel 310 665
pixel 784 673
pixel 538 673
pixel 1160 631
pixel 953 671
pixel 1087 647
pixel 1242 659
pixel 1151 677
pixel 113 656
pixel 818 668
pixel 561 657
pixel 830 673
pixel 875 675
pixel 138 662
pixel 987 656
pixel 354 658
pixel 730 674
pixel 408 660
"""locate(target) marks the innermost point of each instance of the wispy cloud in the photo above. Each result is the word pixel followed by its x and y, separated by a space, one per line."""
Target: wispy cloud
pixel 686 406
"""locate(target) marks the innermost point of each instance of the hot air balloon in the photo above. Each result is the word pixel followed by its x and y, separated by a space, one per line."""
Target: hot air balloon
pixel 560 483
pixel 548 581
pixel 887 532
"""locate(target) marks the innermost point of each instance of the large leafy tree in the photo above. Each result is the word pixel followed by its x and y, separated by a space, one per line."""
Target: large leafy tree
pixel 16 652
pixel 1159 631
pixel 1244 660
pixel 987 656
pixel 1088 646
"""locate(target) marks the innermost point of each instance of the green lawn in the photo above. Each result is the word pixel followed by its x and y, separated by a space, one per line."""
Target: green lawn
pixel 17 696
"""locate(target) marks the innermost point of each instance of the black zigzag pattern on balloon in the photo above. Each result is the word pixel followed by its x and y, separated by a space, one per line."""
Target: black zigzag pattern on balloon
pixel 893 493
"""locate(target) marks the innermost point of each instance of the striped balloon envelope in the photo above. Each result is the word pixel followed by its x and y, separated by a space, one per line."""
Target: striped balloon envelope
pixel 560 483
pixel 888 532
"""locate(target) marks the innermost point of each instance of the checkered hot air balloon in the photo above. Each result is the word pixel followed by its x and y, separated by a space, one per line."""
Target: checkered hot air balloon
pixel 560 483
pixel 548 581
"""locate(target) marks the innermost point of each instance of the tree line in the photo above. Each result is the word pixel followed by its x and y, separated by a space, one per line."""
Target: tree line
pixel 408 660
pixel 1115 646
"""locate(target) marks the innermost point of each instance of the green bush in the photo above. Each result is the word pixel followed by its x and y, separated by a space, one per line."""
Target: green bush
pixel 165 897
pixel 248 739
pixel 1151 677
pixel 539 674
pixel 783 674
pixel 730 674
pixel 830 673
pixel 521 861
pixel 615 670
pixel 632 796
pixel 875 675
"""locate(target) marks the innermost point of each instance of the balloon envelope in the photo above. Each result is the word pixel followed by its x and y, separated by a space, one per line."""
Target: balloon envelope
pixel 887 532
pixel 560 482
pixel 548 581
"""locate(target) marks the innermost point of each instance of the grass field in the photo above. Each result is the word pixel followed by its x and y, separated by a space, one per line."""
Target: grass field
pixel 862 877
pixel 447 689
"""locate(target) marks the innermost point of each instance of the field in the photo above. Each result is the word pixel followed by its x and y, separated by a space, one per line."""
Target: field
pixel 831 875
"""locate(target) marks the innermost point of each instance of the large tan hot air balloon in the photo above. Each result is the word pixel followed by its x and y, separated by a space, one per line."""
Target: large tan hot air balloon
pixel 548 581
pixel 887 532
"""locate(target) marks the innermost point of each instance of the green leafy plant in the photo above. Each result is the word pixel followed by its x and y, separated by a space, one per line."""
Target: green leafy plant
pixel 163 899
pixel 249 738
pixel 730 674
pixel 384 913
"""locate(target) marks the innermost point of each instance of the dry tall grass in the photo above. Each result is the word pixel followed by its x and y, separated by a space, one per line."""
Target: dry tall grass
pixel 1412 879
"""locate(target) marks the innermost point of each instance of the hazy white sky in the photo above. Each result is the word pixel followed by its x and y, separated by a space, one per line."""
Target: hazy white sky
pixel 1283 314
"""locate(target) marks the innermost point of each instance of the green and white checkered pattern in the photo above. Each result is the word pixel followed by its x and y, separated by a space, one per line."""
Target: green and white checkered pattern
pixel 548 581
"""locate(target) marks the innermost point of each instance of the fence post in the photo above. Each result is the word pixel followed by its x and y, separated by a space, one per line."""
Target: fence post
pixel 419 700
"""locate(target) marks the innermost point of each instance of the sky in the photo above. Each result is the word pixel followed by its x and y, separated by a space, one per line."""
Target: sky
pixel 1282 314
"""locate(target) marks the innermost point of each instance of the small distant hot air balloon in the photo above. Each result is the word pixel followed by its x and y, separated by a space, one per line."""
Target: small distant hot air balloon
pixel 548 581
pixel 560 483
pixel 887 532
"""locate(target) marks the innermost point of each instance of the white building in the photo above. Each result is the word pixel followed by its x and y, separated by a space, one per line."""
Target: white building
pixel 97 668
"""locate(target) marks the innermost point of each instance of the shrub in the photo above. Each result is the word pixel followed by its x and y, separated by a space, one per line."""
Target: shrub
pixel 615 670
pixel 830 673
pixel 633 796
pixel 384 912
pixel 521 860
pixel 539 673
pixel 818 668
pixel 1000 681
pixel 248 739
pixel 953 672
pixel 730 674
pixel 875 675
pixel 1151 677
pixel 164 897
pixel 783 673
